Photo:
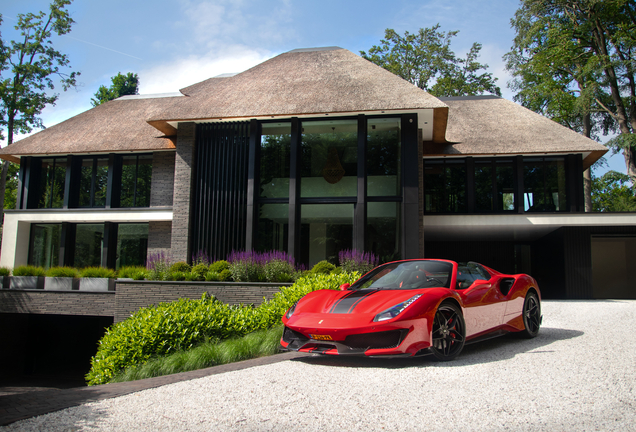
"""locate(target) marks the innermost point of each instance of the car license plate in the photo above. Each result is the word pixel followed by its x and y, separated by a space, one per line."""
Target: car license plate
pixel 320 337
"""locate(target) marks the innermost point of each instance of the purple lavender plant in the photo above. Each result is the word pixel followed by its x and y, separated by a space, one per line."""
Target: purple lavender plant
pixel 158 265
pixel 201 257
pixel 271 266
pixel 354 260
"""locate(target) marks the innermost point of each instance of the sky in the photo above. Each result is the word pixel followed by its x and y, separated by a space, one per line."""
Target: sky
pixel 171 44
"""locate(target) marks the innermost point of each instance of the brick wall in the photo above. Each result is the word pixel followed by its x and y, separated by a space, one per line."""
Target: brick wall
pixel 162 185
pixel 184 163
pixel 57 303
pixel 131 296
pixel 159 236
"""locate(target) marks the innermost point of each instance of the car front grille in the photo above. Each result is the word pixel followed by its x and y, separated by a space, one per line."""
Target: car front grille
pixel 379 340
pixel 290 335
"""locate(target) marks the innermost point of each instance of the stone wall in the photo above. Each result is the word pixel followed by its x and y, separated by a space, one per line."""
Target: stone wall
pixel 162 185
pixel 131 296
pixel 159 236
pixel 57 303
pixel 181 213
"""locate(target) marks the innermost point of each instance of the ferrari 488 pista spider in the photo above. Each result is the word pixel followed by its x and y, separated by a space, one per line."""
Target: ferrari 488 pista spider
pixel 419 306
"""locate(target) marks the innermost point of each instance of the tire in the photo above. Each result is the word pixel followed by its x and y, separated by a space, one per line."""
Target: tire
pixel 449 332
pixel 531 316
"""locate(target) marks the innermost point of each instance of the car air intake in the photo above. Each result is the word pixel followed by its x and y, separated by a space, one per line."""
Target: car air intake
pixel 505 285
pixel 290 335
pixel 387 339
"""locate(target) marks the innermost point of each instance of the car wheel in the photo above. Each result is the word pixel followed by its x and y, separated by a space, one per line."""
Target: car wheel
pixel 449 332
pixel 531 316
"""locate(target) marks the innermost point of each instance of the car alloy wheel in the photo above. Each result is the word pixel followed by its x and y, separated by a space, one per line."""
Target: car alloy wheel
pixel 531 315
pixel 449 331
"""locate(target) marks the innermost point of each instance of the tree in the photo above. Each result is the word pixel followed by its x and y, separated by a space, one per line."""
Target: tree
pixel 589 48
pixel 613 192
pixel 426 60
pixel 121 85
pixel 31 64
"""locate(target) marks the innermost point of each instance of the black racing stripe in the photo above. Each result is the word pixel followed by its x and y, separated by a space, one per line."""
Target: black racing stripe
pixel 341 299
pixel 347 303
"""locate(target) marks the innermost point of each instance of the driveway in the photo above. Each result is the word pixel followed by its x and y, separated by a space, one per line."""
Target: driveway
pixel 578 374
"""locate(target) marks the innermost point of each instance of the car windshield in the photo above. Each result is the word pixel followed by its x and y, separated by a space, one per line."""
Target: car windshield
pixel 407 275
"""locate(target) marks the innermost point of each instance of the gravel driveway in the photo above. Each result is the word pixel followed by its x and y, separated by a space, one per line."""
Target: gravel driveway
pixel 578 374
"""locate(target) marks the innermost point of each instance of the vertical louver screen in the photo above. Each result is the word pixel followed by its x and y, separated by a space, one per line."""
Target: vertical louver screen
pixel 220 189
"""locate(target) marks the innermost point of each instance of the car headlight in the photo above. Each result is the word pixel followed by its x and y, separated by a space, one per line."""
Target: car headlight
pixel 395 310
pixel 291 310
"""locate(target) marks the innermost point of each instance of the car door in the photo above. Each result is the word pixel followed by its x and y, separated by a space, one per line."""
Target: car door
pixel 484 305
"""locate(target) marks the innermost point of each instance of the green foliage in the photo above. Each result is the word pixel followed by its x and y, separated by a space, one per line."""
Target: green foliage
pixel 132 272
pixel 257 344
pixel 5 271
pixel 178 276
pixel 28 270
pixel 198 272
pixel 180 266
pixel 426 60
pixel 70 272
pixel 278 271
pixel 219 266
pixel 225 275
pixel 613 192
pixel 247 271
pixel 97 272
pixel 212 276
pixel 323 267
pixel 122 85
pixel 11 190
pixel 181 325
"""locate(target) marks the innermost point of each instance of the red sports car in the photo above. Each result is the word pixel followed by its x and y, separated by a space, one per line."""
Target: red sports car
pixel 419 306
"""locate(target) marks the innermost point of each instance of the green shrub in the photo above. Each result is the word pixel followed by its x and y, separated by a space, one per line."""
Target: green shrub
pixel 177 276
pixel 170 327
pixel 180 266
pixel 28 270
pixel 97 272
pixel 225 275
pixel 278 271
pixel 132 272
pixel 5 271
pixel 211 276
pixel 323 267
pixel 219 266
pixel 199 271
pixel 158 265
pixel 63 272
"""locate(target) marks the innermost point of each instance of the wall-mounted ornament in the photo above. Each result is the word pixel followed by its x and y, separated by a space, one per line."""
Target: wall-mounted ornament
pixel 333 170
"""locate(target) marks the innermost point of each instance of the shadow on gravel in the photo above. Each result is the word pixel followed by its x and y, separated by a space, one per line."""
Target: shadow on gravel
pixel 493 350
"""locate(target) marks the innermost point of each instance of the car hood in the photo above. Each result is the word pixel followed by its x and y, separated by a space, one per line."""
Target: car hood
pixel 368 301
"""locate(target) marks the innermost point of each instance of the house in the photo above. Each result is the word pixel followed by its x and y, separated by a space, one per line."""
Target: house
pixel 311 152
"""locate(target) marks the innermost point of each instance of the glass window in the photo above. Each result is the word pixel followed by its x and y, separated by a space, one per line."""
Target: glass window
pixel 329 166
pixel 383 157
pixel 44 250
pixel 445 186
pixel 274 160
pixel 325 230
pixel 136 176
pixel 93 182
pixel 52 183
pixel 383 230
pixel 89 242
pixel 132 244
pixel 494 178
pixel 544 184
pixel 273 227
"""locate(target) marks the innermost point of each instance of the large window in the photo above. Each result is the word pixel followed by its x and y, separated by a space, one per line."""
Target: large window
pixel 136 174
pixel 274 160
pixel 544 184
pixel 384 157
pixel 132 244
pixel 93 182
pixel 329 164
pixel 272 227
pixel 52 182
pixel 44 248
pixel 326 229
pixel 494 186
pixel 89 244
pixel 445 186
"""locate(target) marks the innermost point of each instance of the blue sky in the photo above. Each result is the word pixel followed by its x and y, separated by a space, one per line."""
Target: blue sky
pixel 174 43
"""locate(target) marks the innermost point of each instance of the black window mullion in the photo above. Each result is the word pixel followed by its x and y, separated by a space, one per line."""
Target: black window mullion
pixel 93 181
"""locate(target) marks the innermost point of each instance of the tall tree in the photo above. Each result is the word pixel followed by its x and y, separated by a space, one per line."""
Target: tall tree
pixel 28 69
pixel 426 60
pixel 588 47
pixel 122 85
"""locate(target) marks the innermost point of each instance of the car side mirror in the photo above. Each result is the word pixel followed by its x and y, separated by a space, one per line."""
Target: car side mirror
pixel 344 286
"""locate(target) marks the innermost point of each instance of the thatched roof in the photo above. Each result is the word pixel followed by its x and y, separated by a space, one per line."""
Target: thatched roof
pixel 116 126
pixel 306 81
pixel 489 125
